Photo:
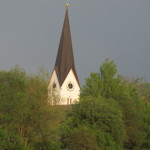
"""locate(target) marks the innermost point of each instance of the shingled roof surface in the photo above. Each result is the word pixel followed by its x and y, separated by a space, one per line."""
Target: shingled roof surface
pixel 65 60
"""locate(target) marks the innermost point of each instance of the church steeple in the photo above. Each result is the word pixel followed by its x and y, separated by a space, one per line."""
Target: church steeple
pixel 65 59
pixel 64 81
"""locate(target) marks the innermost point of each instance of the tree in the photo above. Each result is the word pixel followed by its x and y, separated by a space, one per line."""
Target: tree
pixel 102 117
pixel 109 85
pixel 143 88
pixel 25 114
pixel 82 138
pixel 105 83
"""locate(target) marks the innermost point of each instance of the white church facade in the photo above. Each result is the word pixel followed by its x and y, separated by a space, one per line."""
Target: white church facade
pixel 64 86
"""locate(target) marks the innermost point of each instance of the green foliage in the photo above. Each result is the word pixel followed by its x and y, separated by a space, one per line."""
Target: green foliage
pixel 146 142
pixel 113 113
pixel 100 116
pixel 81 138
pixel 25 114
pixel 143 88
pixel 9 141
pixel 106 83
pixel 113 108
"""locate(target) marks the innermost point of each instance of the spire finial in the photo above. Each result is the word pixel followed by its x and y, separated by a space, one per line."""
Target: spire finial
pixel 67 3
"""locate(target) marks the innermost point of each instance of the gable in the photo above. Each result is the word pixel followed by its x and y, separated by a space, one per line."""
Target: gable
pixel 53 79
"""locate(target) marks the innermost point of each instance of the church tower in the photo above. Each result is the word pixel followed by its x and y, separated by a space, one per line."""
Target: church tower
pixel 64 80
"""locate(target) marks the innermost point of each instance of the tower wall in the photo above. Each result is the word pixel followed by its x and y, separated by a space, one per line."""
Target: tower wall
pixel 70 96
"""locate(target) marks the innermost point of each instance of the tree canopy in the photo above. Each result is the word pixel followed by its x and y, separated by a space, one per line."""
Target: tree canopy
pixel 111 108
pixel 25 114
pixel 113 113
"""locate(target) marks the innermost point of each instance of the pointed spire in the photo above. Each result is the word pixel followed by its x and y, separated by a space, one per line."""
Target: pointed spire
pixel 65 60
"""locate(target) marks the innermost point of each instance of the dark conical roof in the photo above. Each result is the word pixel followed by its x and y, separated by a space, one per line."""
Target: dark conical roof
pixel 65 60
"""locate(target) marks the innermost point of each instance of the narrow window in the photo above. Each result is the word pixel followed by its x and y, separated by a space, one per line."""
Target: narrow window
pixel 70 101
pixel 67 101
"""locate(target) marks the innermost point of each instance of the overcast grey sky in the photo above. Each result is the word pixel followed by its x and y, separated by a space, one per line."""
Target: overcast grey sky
pixel 117 29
